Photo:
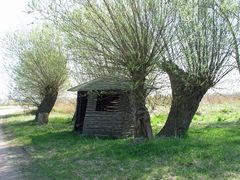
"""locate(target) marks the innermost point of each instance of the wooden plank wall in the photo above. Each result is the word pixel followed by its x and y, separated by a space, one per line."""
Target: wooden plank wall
pixel 128 123
pixel 103 123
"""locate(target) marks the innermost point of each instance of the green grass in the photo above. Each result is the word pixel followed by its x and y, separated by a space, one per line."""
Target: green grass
pixel 211 150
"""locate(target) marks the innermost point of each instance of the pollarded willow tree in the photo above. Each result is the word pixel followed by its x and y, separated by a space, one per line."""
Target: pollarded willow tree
pixel 39 67
pixel 197 58
pixel 230 11
pixel 122 36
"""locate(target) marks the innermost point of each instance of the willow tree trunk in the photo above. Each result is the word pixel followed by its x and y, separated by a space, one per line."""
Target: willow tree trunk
pixel 186 97
pixel 47 104
pixel 142 124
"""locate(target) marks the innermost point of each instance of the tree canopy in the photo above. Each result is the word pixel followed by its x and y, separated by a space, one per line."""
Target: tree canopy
pixel 38 65
pixel 197 58
pixel 118 37
pixel 192 41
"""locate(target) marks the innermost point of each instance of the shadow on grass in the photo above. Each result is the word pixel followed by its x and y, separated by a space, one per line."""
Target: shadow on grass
pixel 208 152
pixel 208 156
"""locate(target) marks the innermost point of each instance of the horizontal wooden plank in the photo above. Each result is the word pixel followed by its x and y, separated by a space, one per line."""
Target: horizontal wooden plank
pixel 102 130
pixel 105 113
pixel 119 118
pixel 103 125
pixel 102 120
pixel 90 132
pixel 109 118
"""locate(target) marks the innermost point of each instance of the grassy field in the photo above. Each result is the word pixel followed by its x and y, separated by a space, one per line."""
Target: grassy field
pixel 211 150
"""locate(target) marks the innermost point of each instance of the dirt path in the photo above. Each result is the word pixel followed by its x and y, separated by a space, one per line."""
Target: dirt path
pixel 9 154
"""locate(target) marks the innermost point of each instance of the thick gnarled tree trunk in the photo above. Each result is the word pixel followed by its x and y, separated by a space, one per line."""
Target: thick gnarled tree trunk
pixel 142 123
pixel 46 105
pixel 186 97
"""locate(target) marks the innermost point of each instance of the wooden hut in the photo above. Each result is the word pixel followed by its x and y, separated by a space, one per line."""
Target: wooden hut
pixel 103 108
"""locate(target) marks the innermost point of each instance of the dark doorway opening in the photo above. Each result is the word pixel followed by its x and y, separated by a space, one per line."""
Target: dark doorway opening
pixel 107 102
pixel 81 111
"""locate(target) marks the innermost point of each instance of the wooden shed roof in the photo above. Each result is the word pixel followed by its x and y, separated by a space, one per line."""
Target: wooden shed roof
pixel 104 84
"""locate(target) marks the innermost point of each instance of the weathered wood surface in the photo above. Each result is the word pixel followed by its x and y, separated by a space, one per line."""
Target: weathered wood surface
pixel 108 123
